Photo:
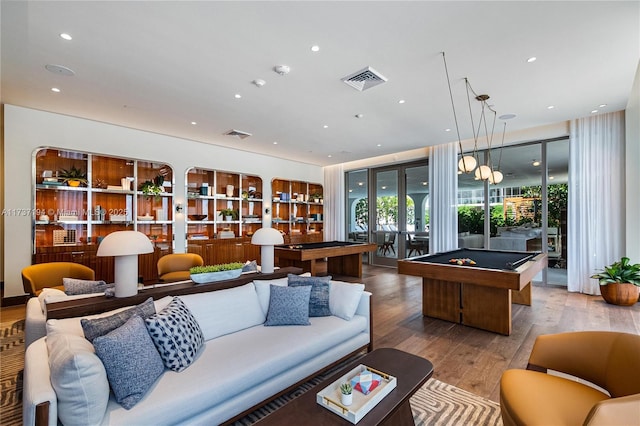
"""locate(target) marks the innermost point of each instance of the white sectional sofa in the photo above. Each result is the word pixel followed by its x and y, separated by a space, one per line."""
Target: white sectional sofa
pixel 243 362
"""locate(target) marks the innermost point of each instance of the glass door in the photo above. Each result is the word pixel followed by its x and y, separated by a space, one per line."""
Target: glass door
pixel 385 214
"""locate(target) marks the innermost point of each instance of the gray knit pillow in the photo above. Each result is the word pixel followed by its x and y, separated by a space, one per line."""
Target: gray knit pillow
pixel 100 326
pixel 73 286
pixel 288 306
pixel 131 360
pixel 176 334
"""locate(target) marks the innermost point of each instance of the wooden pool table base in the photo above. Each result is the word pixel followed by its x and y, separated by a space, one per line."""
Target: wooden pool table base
pixel 487 308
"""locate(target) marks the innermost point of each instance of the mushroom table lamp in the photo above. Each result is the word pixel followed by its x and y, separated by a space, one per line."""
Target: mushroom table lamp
pixel 125 246
pixel 267 238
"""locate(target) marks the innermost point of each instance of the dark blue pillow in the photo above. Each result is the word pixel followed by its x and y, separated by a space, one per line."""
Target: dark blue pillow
pixel 288 306
pixel 320 287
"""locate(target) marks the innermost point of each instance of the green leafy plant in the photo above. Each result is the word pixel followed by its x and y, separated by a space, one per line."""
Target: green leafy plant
pixel 619 272
pixel 215 268
pixel 229 212
pixel 346 388
pixel 150 188
pixel 73 174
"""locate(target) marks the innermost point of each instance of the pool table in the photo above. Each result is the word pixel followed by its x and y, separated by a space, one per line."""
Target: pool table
pixel 343 257
pixel 478 292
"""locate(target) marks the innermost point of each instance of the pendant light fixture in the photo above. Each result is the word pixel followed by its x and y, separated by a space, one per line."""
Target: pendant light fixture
pixel 496 175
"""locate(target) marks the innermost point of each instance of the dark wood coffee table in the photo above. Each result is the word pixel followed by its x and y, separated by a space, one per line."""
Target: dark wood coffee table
pixel 394 410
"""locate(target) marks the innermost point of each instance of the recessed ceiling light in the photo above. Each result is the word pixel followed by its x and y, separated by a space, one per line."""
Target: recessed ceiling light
pixel 237 96
pixel 531 59
pixel 384 187
pixel 359 115
pixel 315 48
pixel 275 142
pixel 602 105
pixel 55 89
pixel 401 101
pixel 326 126
pixel 447 130
pixel 329 155
pixel 379 144
pixel 535 163
pixel 551 178
pixel 551 107
pixel 360 183
pixel 594 111
pixel 425 183
pixel 66 36
pixel 351 190
pixel 194 123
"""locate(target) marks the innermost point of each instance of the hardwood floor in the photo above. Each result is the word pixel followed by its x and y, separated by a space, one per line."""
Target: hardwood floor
pixel 465 357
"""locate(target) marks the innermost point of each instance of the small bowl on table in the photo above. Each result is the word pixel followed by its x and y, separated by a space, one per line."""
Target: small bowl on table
pixel 197 216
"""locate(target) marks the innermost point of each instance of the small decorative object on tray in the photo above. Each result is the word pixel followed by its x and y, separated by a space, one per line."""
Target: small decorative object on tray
pixel 331 396
pixel 366 381
pixel 462 261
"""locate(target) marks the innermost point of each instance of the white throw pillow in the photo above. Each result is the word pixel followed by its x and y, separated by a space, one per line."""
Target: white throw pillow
pixel 344 299
pixel 264 290
pixel 79 379
pixel 225 311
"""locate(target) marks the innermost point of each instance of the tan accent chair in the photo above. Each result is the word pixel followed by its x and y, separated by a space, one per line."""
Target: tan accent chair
pixel 175 266
pixel 606 359
pixel 50 275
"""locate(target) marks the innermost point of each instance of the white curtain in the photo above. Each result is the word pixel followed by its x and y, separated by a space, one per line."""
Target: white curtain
pixel 443 188
pixel 334 203
pixel 596 198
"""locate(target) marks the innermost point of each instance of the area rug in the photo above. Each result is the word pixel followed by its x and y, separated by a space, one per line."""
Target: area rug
pixel 436 403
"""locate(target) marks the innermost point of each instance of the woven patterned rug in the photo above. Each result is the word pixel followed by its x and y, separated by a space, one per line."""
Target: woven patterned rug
pixel 436 403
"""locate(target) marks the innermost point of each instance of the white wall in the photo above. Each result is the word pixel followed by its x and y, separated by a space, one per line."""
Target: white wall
pixel 632 152
pixel 25 130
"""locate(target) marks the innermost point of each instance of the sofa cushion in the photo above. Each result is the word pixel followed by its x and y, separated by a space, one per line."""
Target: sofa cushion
pixel 131 360
pixel 288 306
pixel 264 290
pixel 344 299
pixel 48 295
pixel 225 311
pixel 74 286
pixel 319 299
pixel 79 379
pixel 100 326
pixel 176 334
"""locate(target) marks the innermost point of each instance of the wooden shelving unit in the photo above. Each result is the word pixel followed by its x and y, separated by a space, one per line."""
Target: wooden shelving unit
pixel 297 210
pixel 69 222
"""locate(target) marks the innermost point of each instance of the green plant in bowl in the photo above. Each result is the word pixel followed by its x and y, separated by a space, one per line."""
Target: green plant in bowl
pixel 215 268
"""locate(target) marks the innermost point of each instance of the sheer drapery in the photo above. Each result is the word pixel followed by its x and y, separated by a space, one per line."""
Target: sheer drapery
pixel 596 198
pixel 334 203
pixel 443 188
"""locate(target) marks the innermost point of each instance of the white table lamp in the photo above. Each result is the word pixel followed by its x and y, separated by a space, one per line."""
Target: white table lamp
pixel 267 238
pixel 125 246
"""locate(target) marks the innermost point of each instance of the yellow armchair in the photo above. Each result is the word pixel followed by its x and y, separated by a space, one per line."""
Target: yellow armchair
pixel 608 360
pixel 50 275
pixel 175 266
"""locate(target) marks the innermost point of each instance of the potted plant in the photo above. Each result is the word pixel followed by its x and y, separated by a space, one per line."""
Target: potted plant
pixel 150 188
pixel 210 273
pixel 317 197
pixel 73 176
pixel 229 214
pixel 620 282
pixel 346 394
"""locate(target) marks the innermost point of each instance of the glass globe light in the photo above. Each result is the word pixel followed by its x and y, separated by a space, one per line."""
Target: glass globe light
pixel 496 177
pixel 467 164
pixel 483 172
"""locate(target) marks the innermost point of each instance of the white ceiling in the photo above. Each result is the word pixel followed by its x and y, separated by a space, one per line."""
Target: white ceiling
pixel 158 66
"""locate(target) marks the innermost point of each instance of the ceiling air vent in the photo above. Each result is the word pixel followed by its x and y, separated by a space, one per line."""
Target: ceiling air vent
pixel 364 79
pixel 237 133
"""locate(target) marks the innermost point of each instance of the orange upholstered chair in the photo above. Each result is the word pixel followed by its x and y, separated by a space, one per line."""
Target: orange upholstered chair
pixel 175 266
pixel 606 359
pixel 50 275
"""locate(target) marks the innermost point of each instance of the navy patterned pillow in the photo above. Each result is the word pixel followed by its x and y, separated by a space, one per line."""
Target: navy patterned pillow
pixel 319 300
pixel 176 334
pixel 131 361
pixel 288 306
pixel 100 326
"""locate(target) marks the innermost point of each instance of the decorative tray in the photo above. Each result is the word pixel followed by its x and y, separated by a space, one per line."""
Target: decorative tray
pixel 329 397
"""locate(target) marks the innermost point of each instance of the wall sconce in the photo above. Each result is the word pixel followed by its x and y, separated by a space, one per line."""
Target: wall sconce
pixel 267 210
pixel 179 208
